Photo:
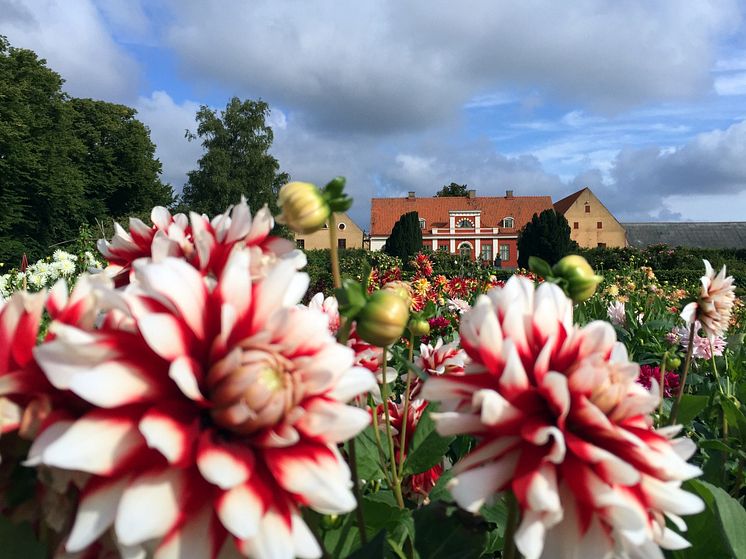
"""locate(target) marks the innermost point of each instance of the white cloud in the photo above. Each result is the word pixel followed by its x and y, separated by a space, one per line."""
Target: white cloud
pixel 383 66
pixel 168 121
pixel 72 37
pixel 731 84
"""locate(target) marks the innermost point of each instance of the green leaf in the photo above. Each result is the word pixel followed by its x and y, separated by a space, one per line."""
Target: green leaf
pixel 734 416
pixel 539 266
pixel 691 406
pixel 732 518
pixel 428 447
pixel 443 533
pixel 335 187
pixel 368 456
pixel 19 540
pixel 373 549
pixel 440 491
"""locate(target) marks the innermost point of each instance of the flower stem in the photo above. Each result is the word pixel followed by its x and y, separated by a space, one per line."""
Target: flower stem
pixel 509 549
pixel 662 387
pixel 334 252
pixel 723 394
pixel 344 332
pixel 405 416
pixel 687 364
pixel 396 482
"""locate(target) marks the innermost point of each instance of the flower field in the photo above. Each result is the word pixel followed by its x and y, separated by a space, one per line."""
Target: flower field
pixel 185 395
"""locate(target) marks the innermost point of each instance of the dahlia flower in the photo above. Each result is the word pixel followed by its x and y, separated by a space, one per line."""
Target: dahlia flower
pixel 648 374
pixel 702 347
pixel 715 303
pixel 617 313
pixel 441 358
pixel 212 414
pixel 205 243
pixel 562 423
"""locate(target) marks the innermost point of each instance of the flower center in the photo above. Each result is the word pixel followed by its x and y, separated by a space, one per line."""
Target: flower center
pixel 251 390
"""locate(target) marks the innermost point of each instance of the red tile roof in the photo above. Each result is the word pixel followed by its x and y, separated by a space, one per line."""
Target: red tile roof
pixel 561 206
pixel 385 212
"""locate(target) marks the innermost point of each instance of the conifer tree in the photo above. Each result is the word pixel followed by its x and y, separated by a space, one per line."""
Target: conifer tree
pixel 406 237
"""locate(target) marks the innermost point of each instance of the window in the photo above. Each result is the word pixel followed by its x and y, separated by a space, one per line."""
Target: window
pixel 487 253
pixel 342 226
pixel 422 223
pixel 300 243
pixel 587 208
pixel 601 245
pixel 464 223
pixel 599 225
pixel 508 222
pixel 341 243
pixel 575 225
pixel 443 248
pixel 504 253
pixel 326 226
pixel 465 250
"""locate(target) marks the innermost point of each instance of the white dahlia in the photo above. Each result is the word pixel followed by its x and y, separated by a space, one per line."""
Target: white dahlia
pixel 562 423
pixel 212 415
pixel 715 303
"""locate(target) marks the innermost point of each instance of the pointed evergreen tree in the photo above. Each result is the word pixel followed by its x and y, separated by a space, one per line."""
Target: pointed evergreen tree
pixel 406 237
pixel 547 236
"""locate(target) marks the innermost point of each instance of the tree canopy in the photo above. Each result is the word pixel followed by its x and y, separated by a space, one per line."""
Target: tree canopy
pixel 65 162
pixel 453 189
pixel 406 237
pixel 236 160
pixel 547 236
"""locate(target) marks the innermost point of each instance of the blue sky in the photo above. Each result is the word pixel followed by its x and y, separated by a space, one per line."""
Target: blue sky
pixel 645 102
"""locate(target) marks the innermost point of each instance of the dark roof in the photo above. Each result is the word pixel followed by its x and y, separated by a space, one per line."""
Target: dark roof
pixel 561 206
pixel 687 234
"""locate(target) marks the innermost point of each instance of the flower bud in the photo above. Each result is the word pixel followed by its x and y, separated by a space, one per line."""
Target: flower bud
pixel 383 319
pixel 402 289
pixel 419 327
pixel 580 277
pixel 304 208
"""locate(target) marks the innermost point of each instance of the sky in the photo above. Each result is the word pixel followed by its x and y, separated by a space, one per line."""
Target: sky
pixel 643 102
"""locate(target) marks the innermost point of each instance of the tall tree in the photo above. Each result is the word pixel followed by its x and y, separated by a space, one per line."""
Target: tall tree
pixel 236 160
pixel 117 158
pixel 547 236
pixel 453 189
pixel 406 237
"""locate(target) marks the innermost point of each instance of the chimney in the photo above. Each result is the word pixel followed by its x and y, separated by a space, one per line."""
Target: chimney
pixel 508 193
pixel 472 193
pixel 410 195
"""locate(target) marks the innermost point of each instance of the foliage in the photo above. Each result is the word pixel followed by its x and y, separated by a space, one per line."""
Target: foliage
pixel 406 237
pixel 236 161
pixel 453 189
pixel 65 162
pixel 546 236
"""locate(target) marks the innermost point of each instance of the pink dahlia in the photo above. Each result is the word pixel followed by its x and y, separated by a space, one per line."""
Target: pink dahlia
pixel 715 303
pixel 562 423
pixel 212 414
pixel 205 243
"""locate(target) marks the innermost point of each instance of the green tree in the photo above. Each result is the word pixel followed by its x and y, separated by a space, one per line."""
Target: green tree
pixel 236 160
pixel 547 236
pixel 406 237
pixel 453 189
pixel 117 159
pixel 43 193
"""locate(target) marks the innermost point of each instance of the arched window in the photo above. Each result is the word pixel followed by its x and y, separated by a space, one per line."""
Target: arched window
pixel 464 249
pixel 465 224
pixel 508 222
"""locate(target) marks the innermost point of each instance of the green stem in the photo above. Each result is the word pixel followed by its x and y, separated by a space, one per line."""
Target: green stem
pixel 405 416
pixel 687 364
pixel 510 551
pixel 334 252
pixel 379 444
pixel 344 331
pixel 396 488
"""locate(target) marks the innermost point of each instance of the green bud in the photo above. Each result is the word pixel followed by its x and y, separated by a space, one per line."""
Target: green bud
pixel 419 327
pixel 580 279
pixel 672 362
pixel 383 319
pixel 304 208
pixel 331 521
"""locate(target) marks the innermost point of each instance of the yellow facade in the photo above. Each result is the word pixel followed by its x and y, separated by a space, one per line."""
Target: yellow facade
pixel 591 224
pixel 349 235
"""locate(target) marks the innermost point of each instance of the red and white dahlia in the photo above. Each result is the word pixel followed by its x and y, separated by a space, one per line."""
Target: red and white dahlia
pixel 213 415
pixel 715 303
pixel 206 243
pixel 562 423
